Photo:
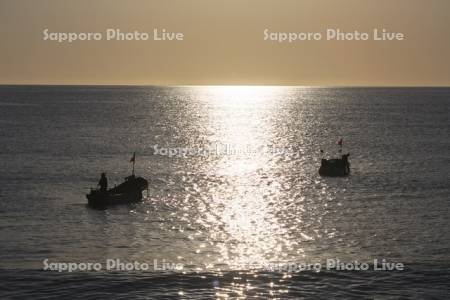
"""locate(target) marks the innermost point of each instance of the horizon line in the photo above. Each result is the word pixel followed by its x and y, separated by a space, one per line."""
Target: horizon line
pixel 223 85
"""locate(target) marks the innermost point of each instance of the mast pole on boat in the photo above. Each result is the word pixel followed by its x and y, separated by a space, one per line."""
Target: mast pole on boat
pixel 133 160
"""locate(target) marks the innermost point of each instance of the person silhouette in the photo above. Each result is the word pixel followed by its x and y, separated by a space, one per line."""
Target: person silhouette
pixel 103 183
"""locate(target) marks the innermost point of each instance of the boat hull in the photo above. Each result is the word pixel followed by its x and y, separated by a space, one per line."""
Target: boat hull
pixel 334 168
pixel 101 199
pixel 334 172
pixel 129 191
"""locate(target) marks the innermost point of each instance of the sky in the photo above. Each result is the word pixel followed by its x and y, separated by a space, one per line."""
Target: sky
pixel 224 43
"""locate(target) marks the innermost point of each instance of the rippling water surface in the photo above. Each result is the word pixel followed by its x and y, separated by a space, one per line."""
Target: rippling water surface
pixel 233 189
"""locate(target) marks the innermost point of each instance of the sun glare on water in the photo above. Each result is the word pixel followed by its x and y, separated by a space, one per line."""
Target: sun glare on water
pixel 240 117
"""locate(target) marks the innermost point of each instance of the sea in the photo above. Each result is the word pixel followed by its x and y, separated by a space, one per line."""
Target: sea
pixel 235 208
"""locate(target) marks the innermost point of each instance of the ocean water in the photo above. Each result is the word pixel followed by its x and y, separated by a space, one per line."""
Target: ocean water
pixel 234 197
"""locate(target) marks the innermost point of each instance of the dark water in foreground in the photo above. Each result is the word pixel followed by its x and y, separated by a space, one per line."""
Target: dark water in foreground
pixel 418 284
pixel 238 195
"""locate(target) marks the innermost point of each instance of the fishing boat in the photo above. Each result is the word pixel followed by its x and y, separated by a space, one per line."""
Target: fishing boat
pixel 129 191
pixel 335 167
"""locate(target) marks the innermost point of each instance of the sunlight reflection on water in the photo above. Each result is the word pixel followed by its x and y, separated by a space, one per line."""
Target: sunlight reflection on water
pixel 261 202
pixel 250 230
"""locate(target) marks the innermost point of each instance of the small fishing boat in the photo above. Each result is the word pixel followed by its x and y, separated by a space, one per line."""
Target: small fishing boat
pixel 335 167
pixel 127 192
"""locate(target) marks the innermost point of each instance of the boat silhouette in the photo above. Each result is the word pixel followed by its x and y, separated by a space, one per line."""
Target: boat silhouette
pixel 335 167
pixel 129 191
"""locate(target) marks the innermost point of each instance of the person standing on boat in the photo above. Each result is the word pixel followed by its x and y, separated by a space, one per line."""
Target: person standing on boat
pixel 103 183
